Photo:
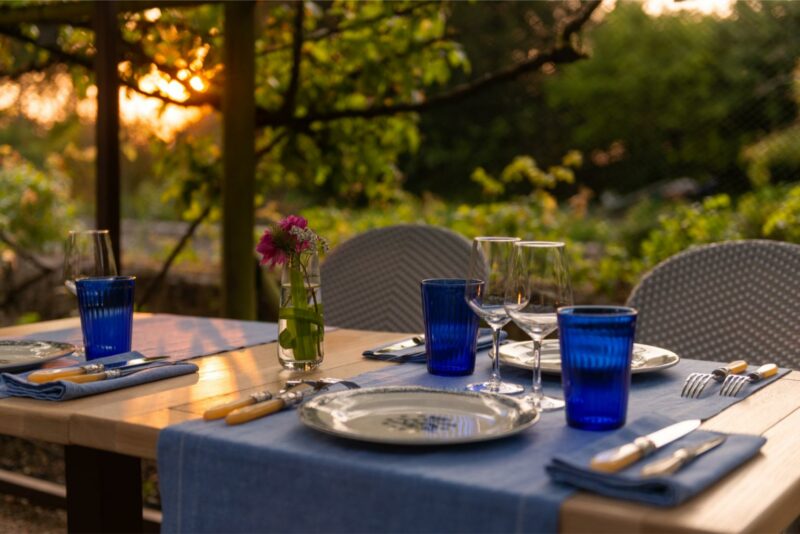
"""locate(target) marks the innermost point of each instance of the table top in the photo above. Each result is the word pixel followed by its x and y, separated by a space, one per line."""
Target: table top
pixel 763 495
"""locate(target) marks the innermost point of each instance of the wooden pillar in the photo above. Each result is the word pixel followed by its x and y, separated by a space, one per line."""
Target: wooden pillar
pixel 107 199
pixel 104 491
pixel 238 187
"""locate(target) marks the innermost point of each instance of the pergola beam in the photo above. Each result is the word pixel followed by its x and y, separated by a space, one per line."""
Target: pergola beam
pixel 107 204
pixel 77 12
pixel 238 182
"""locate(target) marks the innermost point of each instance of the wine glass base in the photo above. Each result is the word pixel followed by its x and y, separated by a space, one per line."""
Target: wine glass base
pixel 504 388
pixel 549 404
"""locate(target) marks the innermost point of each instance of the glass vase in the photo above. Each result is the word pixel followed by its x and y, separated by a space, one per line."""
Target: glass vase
pixel 300 324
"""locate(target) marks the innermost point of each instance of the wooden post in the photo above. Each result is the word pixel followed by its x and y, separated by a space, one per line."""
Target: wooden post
pixel 238 187
pixel 107 201
pixel 104 491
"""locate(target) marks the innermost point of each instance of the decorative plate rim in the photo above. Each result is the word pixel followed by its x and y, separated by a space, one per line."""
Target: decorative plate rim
pixel 552 366
pixel 30 361
pixel 308 415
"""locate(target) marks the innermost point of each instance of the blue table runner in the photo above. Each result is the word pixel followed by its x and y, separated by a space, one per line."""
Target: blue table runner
pixel 274 474
pixel 181 337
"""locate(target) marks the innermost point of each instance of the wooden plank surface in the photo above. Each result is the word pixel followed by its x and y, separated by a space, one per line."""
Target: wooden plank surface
pixel 763 495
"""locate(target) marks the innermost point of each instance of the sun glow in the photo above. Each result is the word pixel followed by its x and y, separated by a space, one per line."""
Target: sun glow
pixel 48 100
pixel 719 8
pixel 145 116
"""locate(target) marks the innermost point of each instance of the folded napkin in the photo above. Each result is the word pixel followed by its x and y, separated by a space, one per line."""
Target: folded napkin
pixel 15 385
pixel 416 354
pixel 573 467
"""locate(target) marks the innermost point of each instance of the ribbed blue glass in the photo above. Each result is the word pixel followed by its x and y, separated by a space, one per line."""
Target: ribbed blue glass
pixel 451 327
pixel 106 308
pixel 596 346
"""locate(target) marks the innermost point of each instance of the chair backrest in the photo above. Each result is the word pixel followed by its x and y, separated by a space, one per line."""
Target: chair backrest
pixel 737 300
pixel 372 281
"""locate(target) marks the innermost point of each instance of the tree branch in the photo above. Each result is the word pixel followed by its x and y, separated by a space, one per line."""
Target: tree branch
pixel 12 293
pixel 159 279
pixel 575 22
pixel 195 99
pixel 324 33
pixel 77 59
pixel 22 253
pixel 272 144
pixel 459 92
pixel 563 52
pixel 297 58
pixel 30 67
pixel 74 12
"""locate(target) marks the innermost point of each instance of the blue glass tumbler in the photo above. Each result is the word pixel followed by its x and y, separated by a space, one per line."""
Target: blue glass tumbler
pixel 106 308
pixel 596 344
pixel 451 327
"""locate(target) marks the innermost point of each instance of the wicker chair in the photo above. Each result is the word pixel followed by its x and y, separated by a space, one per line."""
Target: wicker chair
pixel 725 301
pixel 372 281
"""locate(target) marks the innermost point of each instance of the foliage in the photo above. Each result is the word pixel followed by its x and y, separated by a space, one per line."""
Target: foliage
pixel 337 85
pixel 778 148
pixel 608 253
pixel 34 205
pixel 671 96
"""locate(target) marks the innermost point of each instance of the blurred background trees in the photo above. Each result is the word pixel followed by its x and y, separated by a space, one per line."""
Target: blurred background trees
pixel 679 128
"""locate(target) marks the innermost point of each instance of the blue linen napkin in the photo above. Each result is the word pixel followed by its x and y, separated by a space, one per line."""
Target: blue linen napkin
pixel 16 385
pixel 416 354
pixel 572 467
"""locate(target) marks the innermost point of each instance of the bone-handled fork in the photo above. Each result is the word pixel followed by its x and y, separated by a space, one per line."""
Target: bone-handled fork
pixel 696 383
pixel 734 384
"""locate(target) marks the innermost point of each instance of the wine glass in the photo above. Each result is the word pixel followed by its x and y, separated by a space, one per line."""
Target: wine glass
pixel 489 268
pixel 88 253
pixel 538 286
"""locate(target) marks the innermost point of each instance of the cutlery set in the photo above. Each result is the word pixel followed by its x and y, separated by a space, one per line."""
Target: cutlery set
pixel 94 372
pixel 729 375
pixel 264 403
pixel 618 458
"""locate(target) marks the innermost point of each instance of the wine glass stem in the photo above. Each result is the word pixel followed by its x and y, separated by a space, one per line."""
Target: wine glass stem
pixel 495 379
pixel 536 387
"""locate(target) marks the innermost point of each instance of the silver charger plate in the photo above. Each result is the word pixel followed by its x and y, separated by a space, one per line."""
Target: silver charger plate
pixel 646 358
pixel 412 415
pixel 18 355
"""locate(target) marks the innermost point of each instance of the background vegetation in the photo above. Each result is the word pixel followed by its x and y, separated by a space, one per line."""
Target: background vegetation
pixel 679 128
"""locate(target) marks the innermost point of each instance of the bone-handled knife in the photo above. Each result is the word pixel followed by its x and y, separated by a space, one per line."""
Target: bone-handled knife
pixel 681 457
pixel 618 458
pixel 63 373
pixel 221 410
pixel 118 372
pixel 290 397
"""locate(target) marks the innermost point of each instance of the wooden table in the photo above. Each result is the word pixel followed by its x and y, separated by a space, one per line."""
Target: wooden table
pixel 106 436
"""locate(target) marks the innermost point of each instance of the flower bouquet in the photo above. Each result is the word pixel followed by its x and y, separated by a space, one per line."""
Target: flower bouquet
pixel 295 247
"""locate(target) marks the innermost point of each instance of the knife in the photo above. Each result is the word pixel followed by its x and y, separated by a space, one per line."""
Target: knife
pixel 49 375
pixel 221 410
pixel 401 345
pixel 680 458
pixel 117 372
pixel 291 397
pixel 618 458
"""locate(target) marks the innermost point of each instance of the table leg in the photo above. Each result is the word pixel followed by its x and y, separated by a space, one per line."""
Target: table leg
pixel 104 491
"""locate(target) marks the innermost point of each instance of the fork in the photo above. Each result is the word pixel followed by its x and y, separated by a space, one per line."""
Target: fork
pixel 734 384
pixel 696 383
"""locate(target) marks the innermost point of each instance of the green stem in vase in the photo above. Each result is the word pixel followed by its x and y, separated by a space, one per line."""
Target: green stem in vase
pixel 319 324
pixel 303 346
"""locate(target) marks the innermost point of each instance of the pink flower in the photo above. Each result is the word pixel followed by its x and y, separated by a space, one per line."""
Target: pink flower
pixel 291 221
pixel 271 253
pixel 285 241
